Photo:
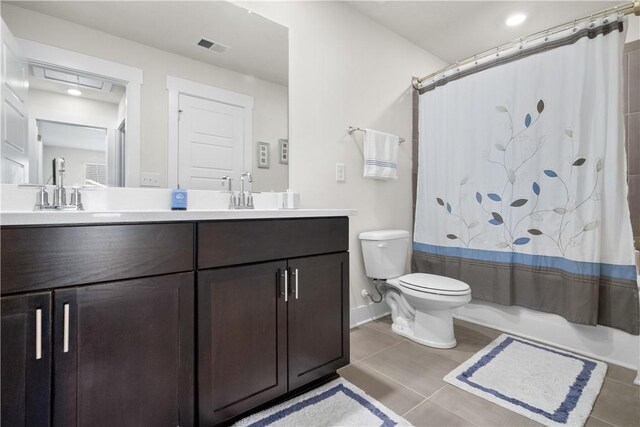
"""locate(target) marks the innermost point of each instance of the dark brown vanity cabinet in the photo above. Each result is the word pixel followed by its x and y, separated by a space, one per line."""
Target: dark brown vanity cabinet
pixel 123 353
pixel 25 343
pixel 118 352
pixel 270 327
pixel 101 324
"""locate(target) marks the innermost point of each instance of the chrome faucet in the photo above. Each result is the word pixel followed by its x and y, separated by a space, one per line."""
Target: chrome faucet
pixel 232 197
pixel 245 201
pixel 59 192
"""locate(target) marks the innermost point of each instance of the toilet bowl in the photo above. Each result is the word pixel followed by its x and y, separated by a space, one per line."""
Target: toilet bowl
pixel 421 304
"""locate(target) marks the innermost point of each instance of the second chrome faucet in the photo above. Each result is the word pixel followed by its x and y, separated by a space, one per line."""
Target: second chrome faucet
pixel 244 199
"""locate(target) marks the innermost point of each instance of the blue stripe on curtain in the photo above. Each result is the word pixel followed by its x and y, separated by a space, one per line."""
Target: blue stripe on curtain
pixel 626 272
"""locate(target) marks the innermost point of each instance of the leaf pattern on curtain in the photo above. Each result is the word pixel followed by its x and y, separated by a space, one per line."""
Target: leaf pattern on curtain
pixel 520 216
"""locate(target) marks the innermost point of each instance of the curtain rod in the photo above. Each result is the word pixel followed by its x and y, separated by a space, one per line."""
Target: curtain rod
pixel 628 9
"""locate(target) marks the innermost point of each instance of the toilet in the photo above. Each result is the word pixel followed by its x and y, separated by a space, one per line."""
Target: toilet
pixel 421 304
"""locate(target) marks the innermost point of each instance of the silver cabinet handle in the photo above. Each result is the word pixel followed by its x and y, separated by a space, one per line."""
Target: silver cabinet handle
pixel 65 333
pixel 286 285
pixel 296 274
pixel 38 333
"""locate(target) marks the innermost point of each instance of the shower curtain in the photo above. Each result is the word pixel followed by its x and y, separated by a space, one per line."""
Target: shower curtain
pixel 521 183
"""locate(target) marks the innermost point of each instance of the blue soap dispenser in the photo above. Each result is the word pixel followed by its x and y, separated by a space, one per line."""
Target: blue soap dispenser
pixel 178 200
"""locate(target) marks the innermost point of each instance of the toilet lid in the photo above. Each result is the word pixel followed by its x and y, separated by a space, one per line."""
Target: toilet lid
pixel 435 284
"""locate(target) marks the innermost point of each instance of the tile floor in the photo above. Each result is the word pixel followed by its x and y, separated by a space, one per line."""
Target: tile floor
pixel 407 378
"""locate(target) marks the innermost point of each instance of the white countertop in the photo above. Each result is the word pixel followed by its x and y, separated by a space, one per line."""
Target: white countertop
pixel 120 205
pixel 86 217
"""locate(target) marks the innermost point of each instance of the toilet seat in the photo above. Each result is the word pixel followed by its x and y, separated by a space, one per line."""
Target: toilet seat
pixel 433 284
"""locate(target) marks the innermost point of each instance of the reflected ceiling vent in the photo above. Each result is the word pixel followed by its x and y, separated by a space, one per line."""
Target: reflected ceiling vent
pixel 213 46
pixel 70 78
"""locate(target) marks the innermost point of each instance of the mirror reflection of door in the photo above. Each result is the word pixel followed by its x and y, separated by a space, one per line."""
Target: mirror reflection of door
pixel 211 143
pixel 83 148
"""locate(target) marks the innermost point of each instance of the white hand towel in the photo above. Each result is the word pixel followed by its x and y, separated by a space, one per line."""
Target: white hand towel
pixel 380 155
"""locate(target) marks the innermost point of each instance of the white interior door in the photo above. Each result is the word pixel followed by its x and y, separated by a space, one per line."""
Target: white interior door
pixel 14 149
pixel 211 142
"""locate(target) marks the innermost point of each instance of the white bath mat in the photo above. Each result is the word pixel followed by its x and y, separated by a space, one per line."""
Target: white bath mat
pixel 338 403
pixel 550 386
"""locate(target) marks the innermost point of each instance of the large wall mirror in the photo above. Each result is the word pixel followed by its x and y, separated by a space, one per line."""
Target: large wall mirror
pixel 158 94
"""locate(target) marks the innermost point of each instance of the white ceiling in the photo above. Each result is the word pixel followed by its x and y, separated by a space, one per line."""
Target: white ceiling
pixel 259 47
pixel 71 136
pixel 455 30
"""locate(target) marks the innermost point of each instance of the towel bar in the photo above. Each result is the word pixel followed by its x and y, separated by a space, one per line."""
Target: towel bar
pixel 352 129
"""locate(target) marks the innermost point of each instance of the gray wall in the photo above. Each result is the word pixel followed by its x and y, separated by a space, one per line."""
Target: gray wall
pixel 632 127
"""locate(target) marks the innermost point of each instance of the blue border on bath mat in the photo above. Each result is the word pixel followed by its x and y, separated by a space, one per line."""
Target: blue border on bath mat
pixel 386 421
pixel 561 415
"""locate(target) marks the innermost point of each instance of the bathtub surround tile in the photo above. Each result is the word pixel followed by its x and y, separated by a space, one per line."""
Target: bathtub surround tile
pixel 634 202
pixel 391 394
pixel 634 78
pixel 618 404
pixel 633 141
pixel 428 414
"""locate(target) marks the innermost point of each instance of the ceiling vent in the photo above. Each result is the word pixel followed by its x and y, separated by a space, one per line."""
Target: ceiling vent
pixel 213 46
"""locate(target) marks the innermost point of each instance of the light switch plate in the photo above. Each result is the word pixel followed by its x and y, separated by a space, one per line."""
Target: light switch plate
pixel 149 179
pixel 339 172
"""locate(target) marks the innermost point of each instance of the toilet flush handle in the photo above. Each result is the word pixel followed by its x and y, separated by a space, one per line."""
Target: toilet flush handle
pixel 383 245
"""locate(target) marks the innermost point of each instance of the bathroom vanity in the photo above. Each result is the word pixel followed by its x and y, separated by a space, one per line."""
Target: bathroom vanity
pixel 194 318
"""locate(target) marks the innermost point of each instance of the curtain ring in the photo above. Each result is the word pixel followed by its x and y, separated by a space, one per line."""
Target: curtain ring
pixel 475 59
pixel 520 47
pixel 546 35
pixel 575 23
pixel 497 51
pixel 591 21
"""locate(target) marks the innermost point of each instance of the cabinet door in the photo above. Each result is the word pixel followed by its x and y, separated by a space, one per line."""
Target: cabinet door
pixel 318 317
pixel 26 359
pixel 242 348
pixel 124 353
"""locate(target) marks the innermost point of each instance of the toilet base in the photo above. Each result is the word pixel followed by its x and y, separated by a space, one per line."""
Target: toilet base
pixel 433 328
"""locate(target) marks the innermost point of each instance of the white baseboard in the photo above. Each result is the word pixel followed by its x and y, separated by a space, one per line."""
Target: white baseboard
pixel 367 313
pixel 599 342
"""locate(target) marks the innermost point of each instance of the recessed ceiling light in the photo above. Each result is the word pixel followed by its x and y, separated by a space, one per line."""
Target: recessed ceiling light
pixel 74 92
pixel 516 19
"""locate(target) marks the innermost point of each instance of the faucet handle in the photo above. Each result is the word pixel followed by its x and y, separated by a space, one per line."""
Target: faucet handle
pixel 42 197
pixel 249 200
pixel 76 198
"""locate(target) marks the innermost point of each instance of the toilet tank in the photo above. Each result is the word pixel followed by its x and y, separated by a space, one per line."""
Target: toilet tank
pixel 385 253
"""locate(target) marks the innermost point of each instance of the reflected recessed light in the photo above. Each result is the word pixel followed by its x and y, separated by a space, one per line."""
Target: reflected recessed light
pixel 74 92
pixel 516 19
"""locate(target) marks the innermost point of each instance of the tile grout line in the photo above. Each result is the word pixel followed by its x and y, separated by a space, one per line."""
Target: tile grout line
pixel 600 419
pixel 419 403
pixel 620 382
pixel 449 410
pixel 380 351
pixel 396 381
pixel 389 333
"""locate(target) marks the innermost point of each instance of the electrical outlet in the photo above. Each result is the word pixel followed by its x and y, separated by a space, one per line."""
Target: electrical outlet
pixel 339 172
pixel 149 179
